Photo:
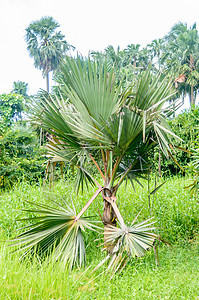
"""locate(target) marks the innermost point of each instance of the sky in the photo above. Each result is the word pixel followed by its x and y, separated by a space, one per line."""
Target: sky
pixel 87 25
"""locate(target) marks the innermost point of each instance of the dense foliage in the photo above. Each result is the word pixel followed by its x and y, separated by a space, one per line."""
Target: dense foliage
pixel 20 156
pixel 175 55
pixel 186 126
pixel 11 107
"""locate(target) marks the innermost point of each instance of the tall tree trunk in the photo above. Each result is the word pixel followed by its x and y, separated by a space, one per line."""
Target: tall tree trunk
pixel 192 96
pixel 183 98
pixel 192 100
pixel 47 81
pixel 189 93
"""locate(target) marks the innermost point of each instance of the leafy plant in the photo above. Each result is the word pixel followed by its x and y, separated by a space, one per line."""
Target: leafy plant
pixel 57 229
pixel 126 242
pixel 93 122
pixel 185 125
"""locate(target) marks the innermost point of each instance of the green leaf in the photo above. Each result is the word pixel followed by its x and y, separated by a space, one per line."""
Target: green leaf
pixel 127 242
pixel 56 232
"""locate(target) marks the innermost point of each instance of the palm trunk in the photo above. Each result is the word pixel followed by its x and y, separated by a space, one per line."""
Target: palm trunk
pixel 47 81
pixel 109 217
pixel 192 98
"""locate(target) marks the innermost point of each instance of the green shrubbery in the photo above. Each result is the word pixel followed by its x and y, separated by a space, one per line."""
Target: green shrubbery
pixel 20 156
pixel 186 126
pixel 11 107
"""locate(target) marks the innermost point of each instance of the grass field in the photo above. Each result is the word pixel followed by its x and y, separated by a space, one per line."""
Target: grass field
pixel 176 277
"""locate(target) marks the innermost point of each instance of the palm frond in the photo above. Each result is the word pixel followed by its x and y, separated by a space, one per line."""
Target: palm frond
pixel 92 91
pixel 127 242
pixel 57 232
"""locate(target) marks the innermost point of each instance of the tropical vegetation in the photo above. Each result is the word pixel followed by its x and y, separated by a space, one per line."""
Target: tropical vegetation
pixel 109 142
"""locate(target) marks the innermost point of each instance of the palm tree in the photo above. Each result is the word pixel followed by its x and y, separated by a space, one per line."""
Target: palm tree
pixel 155 50
pixel 181 58
pixel 94 123
pixel 45 45
pixel 20 87
pixel 132 53
pixel 116 58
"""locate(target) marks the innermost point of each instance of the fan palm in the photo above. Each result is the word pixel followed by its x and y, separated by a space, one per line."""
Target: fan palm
pixel 93 122
pixel 46 45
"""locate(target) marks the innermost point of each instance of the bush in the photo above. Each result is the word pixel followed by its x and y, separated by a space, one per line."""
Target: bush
pixel 11 108
pixel 185 125
pixel 20 156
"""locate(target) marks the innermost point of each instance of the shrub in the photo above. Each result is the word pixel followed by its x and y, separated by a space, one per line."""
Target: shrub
pixel 185 125
pixel 20 156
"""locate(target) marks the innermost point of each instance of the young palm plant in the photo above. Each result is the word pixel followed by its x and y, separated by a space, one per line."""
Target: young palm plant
pixel 94 122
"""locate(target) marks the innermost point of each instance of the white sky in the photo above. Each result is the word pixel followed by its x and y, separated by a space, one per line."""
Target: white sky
pixel 87 25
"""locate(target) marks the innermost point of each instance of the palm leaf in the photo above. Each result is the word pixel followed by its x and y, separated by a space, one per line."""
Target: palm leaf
pixel 56 232
pixel 92 94
pixel 127 242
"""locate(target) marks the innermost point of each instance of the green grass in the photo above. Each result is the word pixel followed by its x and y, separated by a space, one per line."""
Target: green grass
pixel 177 277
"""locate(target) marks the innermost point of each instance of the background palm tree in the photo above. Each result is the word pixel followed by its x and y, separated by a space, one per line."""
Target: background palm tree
pixel 132 54
pixel 21 88
pixel 155 51
pixel 45 45
pixel 181 59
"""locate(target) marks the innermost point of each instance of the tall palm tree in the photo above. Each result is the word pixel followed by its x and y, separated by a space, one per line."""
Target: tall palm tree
pixel 181 58
pixel 45 45
pixel 136 57
pixel 95 123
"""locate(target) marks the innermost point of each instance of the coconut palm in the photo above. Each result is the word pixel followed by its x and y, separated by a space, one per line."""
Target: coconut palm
pixel 155 49
pixel 93 122
pixel 181 58
pixel 45 45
